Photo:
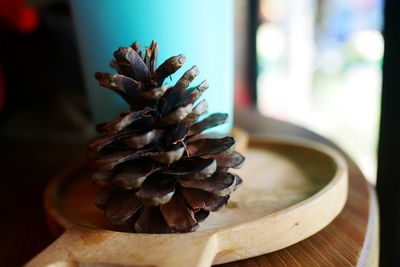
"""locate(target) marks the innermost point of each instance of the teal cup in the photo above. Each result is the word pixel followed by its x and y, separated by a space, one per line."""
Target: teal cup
pixel 202 30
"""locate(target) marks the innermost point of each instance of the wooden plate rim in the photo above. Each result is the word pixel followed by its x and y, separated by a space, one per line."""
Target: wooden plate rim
pixel 50 196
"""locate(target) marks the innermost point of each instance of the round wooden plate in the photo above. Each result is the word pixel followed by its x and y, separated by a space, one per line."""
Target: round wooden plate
pixel 291 190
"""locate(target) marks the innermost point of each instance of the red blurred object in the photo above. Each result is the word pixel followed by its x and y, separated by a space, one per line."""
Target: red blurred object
pixel 28 20
pixel 15 16
pixel 18 16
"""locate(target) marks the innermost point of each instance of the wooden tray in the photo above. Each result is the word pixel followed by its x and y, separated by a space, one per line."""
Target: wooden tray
pixel 291 190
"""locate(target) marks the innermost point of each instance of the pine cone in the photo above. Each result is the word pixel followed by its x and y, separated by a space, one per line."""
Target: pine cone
pixel 157 172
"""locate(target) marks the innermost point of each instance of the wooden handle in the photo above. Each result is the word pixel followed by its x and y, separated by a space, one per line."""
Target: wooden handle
pixel 79 246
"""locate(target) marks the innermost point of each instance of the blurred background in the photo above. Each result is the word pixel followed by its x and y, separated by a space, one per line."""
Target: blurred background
pixel 316 63
pixel 319 65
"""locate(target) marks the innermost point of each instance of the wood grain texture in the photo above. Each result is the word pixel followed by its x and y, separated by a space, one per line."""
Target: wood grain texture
pixel 26 169
pixel 349 240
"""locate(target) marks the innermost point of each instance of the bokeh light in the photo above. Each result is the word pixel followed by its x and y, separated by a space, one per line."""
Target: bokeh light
pixel 320 66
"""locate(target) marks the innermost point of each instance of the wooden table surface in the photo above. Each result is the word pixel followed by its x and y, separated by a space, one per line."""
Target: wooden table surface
pixel 350 240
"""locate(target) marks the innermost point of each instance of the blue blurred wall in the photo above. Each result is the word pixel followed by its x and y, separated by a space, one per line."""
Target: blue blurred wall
pixel 202 30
